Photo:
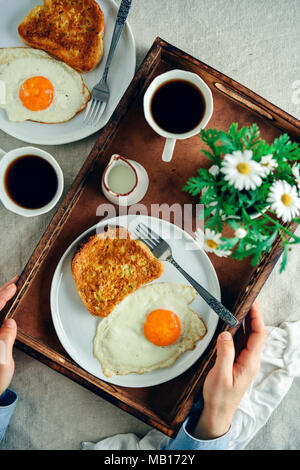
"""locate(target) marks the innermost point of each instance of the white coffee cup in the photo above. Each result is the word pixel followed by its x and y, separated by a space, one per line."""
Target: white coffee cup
pixel 170 137
pixel 6 158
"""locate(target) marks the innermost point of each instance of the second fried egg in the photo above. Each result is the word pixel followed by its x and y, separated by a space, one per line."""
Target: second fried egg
pixel 148 330
pixel 38 87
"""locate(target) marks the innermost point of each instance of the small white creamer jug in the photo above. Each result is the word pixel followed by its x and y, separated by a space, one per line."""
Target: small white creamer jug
pixel 124 182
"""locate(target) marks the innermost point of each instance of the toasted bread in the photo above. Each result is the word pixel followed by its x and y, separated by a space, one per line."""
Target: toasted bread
pixel 111 265
pixel 67 29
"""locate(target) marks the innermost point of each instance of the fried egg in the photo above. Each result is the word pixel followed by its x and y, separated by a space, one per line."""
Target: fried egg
pixel 37 87
pixel 150 329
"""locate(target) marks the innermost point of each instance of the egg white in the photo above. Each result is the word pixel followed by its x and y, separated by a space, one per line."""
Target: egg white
pixel 120 344
pixel 17 64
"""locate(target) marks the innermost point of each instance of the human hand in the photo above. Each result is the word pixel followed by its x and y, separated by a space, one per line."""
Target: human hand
pixel 229 379
pixel 8 333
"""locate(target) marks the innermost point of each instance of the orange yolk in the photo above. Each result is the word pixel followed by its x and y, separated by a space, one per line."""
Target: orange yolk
pixel 162 327
pixel 36 93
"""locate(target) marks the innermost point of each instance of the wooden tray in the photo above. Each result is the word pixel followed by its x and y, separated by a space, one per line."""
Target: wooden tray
pixel 164 406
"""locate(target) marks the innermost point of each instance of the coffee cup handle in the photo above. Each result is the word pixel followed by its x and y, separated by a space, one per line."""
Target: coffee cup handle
pixel 168 150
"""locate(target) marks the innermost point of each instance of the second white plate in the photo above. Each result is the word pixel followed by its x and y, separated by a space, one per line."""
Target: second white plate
pixel 120 75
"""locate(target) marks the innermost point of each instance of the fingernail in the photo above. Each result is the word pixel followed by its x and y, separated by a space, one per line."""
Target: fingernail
pixel 10 288
pixel 10 323
pixel 226 336
pixel 3 353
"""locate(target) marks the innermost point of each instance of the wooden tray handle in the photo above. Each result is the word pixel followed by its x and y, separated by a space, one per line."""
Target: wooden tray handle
pixel 241 99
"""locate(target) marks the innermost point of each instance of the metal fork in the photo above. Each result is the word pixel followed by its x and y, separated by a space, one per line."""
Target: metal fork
pixel 162 250
pixel 100 92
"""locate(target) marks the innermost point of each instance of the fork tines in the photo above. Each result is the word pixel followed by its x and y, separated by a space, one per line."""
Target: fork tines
pixel 150 238
pixel 94 111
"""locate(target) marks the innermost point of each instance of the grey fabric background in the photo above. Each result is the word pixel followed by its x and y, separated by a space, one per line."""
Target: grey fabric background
pixel 255 42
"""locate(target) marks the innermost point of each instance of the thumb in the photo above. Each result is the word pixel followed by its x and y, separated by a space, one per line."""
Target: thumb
pixel 8 332
pixel 225 356
pixel 6 293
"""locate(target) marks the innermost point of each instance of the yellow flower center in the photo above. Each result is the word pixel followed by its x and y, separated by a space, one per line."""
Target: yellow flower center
pixel 212 244
pixel 244 168
pixel 286 199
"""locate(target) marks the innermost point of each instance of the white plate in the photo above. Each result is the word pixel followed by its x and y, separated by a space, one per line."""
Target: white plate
pixel 76 327
pixel 120 75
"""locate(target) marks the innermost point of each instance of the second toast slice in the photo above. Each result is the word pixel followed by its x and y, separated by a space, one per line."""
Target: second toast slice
pixel 67 29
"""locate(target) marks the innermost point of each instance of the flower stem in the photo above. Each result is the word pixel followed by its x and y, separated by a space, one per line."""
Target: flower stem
pixel 280 226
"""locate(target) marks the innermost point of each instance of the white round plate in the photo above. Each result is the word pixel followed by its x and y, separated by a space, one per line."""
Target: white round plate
pixel 120 75
pixel 76 327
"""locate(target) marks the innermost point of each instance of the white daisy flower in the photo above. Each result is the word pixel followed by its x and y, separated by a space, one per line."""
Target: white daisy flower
pixel 210 241
pixel 268 163
pixel 214 170
pixel 242 171
pixel 284 200
pixel 296 174
pixel 240 232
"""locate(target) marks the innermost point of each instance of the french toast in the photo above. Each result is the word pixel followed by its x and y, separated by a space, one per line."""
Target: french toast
pixel 71 30
pixel 111 265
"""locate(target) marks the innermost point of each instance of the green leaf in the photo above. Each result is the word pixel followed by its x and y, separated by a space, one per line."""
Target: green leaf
pixel 251 136
pixel 284 257
pixel 283 148
pixel 228 243
pixel 210 155
pixel 194 185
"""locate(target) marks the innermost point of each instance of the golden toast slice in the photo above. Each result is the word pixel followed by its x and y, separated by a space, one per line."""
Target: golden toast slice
pixel 71 30
pixel 111 265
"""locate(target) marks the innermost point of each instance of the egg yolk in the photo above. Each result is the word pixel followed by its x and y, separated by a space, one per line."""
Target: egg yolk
pixel 162 327
pixel 36 93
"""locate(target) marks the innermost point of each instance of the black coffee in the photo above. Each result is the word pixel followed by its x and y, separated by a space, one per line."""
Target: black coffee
pixel 177 106
pixel 31 182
